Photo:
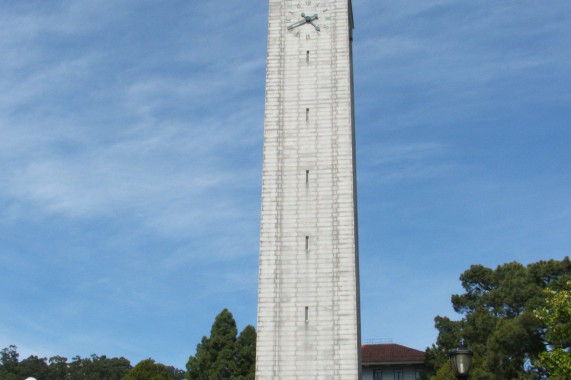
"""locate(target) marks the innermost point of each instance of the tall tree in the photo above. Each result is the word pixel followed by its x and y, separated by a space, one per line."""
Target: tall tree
pixel 9 359
pixel 222 345
pixel 498 322
pixel 222 356
pixel 215 356
pixel 9 363
pixel 246 354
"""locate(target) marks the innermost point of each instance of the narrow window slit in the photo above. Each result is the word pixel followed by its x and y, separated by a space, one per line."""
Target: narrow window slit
pixel 306 243
pixel 307 114
pixel 307 56
pixel 306 314
pixel 307 176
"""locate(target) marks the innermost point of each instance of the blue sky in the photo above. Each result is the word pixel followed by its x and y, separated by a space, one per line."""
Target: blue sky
pixel 131 152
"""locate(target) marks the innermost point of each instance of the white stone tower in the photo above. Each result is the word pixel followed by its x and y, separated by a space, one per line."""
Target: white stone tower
pixel 308 297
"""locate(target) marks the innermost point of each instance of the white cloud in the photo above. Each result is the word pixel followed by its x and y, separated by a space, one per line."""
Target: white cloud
pixel 397 161
pixel 83 142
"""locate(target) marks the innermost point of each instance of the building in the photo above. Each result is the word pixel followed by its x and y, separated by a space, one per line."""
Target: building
pixel 308 294
pixel 391 362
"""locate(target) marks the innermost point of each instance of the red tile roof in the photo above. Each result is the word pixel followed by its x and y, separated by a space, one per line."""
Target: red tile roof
pixel 382 353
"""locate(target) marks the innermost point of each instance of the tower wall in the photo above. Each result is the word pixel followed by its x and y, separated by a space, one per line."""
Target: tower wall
pixel 308 297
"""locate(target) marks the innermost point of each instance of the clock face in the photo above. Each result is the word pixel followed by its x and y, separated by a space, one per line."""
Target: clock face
pixel 308 18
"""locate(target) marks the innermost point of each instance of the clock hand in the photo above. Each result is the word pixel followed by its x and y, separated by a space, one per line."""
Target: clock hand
pixel 298 23
pixel 316 27
pixel 305 19
pixel 309 18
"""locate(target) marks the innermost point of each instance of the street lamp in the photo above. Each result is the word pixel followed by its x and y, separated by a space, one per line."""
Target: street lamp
pixel 461 359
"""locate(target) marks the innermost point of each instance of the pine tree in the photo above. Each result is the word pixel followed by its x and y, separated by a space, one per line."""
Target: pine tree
pixel 246 354
pixel 222 356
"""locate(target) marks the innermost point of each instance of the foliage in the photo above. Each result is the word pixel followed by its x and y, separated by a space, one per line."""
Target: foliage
pixel 57 368
pixel 98 367
pixel 498 322
pixel 175 373
pixel 222 356
pixel 556 315
pixel 34 367
pixel 148 370
pixel 246 354
pixel 8 361
pixel 93 368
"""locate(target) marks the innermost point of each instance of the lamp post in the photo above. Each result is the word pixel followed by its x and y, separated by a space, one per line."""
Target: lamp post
pixel 461 360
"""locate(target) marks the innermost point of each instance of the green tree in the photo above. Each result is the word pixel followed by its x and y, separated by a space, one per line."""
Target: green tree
pixel 34 367
pixel 79 368
pixel 198 364
pixel 9 363
pixel 93 368
pixel 215 356
pixel 175 373
pixel 246 354
pixel 148 370
pixel 57 368
pixel 98 368
pixel 498 322
pixel 119 367
pixel 222 356
pixel 222 345
pixel 556 315
pixel 106 368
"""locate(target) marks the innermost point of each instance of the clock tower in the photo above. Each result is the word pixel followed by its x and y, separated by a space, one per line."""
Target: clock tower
pixel 308 296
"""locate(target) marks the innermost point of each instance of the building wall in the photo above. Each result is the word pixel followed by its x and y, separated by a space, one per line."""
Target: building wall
pixel 308 301
pixel 388 372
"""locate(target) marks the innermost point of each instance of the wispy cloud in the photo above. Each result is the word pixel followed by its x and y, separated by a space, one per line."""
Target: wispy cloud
pixel 112 122
pixel 443 62
pixel 398 161
pixel 139 137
